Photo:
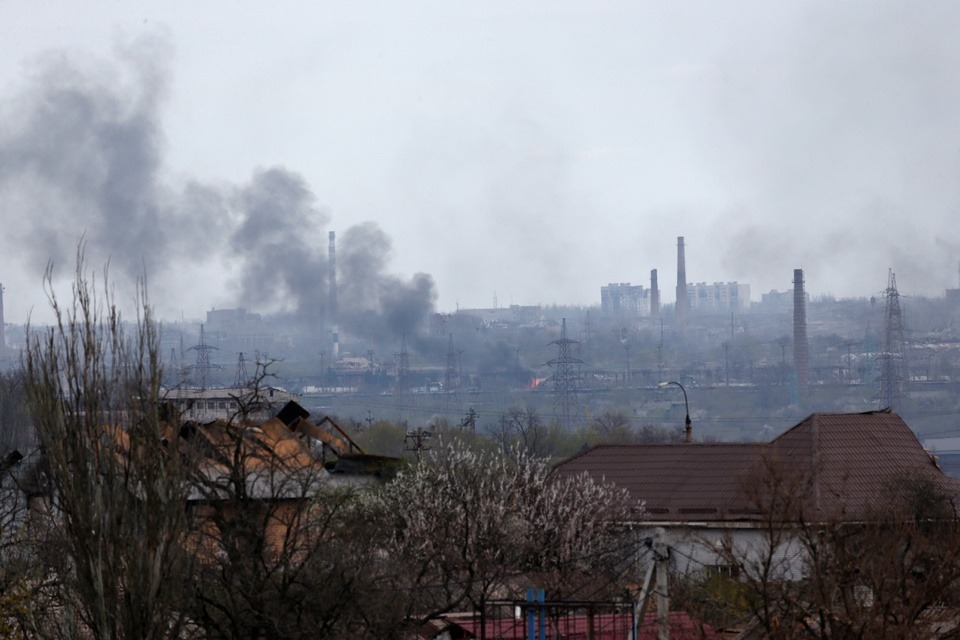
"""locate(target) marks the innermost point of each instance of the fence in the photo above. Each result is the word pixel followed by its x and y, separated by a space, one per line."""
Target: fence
pixel 537 619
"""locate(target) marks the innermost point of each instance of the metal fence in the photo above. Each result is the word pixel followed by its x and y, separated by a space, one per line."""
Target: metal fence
pixel 537 619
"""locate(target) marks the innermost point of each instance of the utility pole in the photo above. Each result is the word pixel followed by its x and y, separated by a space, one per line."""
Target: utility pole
pixel 470 421
pixel 626 379
pixel 726 362
pixel 403 375
pixel 659 568
pixel 418 441
pixel 661 554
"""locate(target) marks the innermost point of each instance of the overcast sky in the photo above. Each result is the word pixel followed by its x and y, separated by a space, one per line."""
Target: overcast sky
pixel 529 150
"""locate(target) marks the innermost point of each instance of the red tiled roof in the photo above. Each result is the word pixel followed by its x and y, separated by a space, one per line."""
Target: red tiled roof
pixel 605 627
pixel 851 458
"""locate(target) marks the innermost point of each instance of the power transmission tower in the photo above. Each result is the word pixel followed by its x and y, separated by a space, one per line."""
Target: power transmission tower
pixel 588 331
pixel 892 360
pixel 203 366
pixel 242 378
pixel 565 378
pixel 173 366
pixel 403 376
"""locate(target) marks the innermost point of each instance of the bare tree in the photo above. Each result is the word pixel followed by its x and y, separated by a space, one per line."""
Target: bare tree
pixel 523 427
pixel 116 492
pixel 16 431
pixel 880 572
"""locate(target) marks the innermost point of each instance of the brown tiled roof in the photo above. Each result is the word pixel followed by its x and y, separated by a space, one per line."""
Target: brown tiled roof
pixel 676 481
pixel 853 458
pixel 847 461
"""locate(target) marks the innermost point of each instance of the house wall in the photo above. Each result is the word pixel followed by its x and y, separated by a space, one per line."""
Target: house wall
pixel 698 548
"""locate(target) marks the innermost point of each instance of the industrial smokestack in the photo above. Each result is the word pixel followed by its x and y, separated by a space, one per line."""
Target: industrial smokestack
pixel 682 304
pixel 654 294
pixel 3 334
pixel 332 276
pixel 801 357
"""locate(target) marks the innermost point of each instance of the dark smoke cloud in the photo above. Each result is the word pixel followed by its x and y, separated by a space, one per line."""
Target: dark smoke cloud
pixel 279 244
pixel 81 156
pixel 81 148
pixel 373 302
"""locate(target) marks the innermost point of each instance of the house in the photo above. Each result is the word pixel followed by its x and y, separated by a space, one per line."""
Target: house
pixel 233 403
pixel 705 495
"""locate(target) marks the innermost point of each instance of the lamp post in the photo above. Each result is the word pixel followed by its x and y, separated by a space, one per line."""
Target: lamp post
pixel 688 432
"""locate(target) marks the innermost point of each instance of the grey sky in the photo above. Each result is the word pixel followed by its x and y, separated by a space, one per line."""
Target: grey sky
pixel 533 149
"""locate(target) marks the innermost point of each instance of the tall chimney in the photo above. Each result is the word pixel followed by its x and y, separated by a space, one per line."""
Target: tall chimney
pixel 801 358
pixel 682 304
pixel 654 295
pixel 332 276
pixel 3 334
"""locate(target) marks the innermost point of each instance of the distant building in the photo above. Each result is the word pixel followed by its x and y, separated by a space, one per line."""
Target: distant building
pixel 624 300
pixel 953 297
pixel 719 297
pixel 238 329
pixel 778 301
pixel 204 405
pixel 515 315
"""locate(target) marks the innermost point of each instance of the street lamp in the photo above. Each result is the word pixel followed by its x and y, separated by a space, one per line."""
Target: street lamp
pixel 688 432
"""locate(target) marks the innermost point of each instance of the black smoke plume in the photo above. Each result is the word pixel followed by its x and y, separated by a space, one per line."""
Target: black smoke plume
pixel 81 156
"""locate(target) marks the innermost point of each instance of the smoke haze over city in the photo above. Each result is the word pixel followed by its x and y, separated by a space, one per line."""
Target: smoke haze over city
pixel 532 151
